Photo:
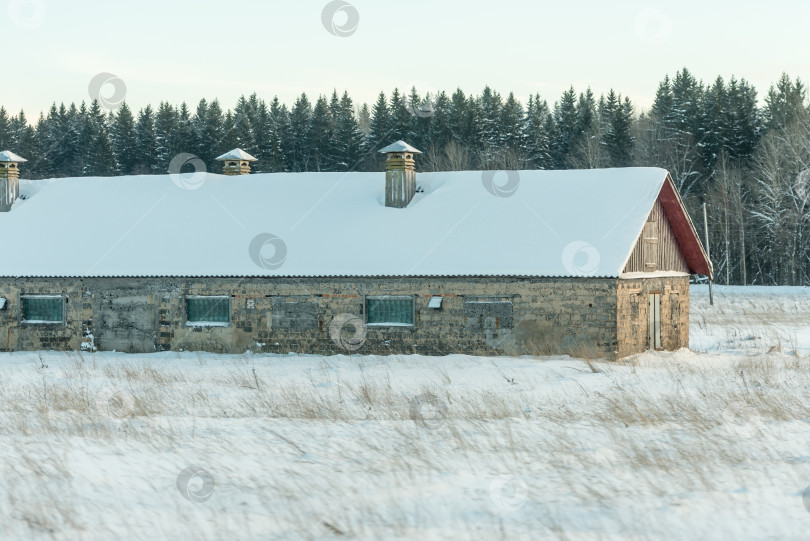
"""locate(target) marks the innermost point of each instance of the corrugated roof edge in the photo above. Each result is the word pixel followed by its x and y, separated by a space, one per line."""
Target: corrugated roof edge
pixel 616 276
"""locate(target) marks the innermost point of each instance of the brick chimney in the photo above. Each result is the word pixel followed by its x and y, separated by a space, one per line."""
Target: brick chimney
pixel 400 174
pixel 9 179
pixel 236 162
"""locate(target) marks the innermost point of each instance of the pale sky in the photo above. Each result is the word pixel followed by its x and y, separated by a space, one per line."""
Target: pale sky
pixel 182 51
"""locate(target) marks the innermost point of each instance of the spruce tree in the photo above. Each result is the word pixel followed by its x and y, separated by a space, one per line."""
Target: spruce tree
pixel 566 124
pixel 99 158
pixel 319 137
pixel 347 140
pixel 166 131
pixel 184 138
pixel 381 126
pixel 511 137
pixel 25 142
pixel 784 103
pixel 536 135
pixel 123 141
pixel 617 138
pixel 146 142
pixel 400 117
pixel 298 150
pixel 5 129
pixel 746 124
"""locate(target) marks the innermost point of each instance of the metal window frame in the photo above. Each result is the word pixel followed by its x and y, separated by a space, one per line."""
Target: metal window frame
pixel 21 312
pixel 188 323
pixel 411 298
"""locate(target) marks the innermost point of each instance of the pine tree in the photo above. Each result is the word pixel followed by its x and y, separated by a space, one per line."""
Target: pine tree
pixel 146 142
pixel 24 142
pixel 784 103
pixel 617 121
pixel 166 129
pixel 217 134
pixel 272 152
pixel 440 132
pixel 201 134
pixel 364 119
pixel 419 125
pixel 297 140
pixel 457 118
pixel 184 138
pixel 566 123
pixel 400 117
pixel 745 120
pixel 712 133
pixel 511 137
pixel 124 142
pixel 99 158
pixel 78 138
pixel 489 129
pixel 347 141
pixel 536 136
pixel 381 126
pixel 244 135
pixel 320 135
pixel 286 136
pixel 5 129
pixel 228 140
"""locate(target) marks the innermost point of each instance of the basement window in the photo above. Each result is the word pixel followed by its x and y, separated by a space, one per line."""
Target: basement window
pixel 390 311
pixel 39 309
pixel 208 311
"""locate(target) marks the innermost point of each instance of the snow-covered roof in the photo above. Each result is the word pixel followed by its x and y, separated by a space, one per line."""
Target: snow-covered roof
pixel 521 223
pixel 8 156
pixel 399 146
pixel 237 154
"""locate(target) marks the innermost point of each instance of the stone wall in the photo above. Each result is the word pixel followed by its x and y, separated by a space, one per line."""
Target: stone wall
pixel 478 316
pixel 634 312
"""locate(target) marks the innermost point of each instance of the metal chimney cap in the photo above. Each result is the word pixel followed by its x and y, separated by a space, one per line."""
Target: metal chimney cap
pixel 399 146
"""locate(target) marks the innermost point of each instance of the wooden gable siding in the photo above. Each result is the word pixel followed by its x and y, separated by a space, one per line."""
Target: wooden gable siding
pixel 657 248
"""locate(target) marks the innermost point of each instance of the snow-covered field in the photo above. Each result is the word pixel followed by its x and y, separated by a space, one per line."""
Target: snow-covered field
pixel 709 445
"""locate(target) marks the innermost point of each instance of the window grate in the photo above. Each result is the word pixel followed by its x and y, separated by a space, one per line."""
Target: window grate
pixel 390 311
pixel 214 310
pixel 46 309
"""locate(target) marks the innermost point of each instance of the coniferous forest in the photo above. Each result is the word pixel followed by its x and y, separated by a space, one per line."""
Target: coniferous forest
pixel 746 156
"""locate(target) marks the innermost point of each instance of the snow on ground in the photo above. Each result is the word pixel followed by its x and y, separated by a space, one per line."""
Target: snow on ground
pixel 750 319
pixel 201 446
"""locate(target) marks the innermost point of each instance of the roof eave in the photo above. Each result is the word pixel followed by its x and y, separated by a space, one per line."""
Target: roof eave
pixel 685 233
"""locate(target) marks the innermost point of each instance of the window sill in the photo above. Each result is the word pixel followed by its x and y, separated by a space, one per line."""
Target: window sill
pixel 35 322
pixel 389 324
pixel 206 324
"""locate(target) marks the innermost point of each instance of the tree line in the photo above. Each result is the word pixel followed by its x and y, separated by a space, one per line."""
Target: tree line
pixel 748 160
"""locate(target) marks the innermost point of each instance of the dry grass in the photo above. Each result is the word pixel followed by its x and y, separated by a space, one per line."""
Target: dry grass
pixel 340 454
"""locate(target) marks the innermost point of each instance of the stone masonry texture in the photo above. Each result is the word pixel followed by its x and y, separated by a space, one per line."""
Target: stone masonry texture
pixel 479 316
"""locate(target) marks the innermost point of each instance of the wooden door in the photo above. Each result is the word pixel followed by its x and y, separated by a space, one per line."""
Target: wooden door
pixel 675 316
pixel 654 336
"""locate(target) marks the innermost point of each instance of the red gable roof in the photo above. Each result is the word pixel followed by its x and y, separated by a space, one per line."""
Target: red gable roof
pixel 685 233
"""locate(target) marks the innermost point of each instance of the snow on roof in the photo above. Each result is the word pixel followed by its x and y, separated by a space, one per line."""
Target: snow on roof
pixel 399 146
pixel 521 223
pixel 8 156
pixel 237 154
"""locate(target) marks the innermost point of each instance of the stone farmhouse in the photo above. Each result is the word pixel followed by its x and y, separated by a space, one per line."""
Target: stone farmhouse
pixel 593 263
